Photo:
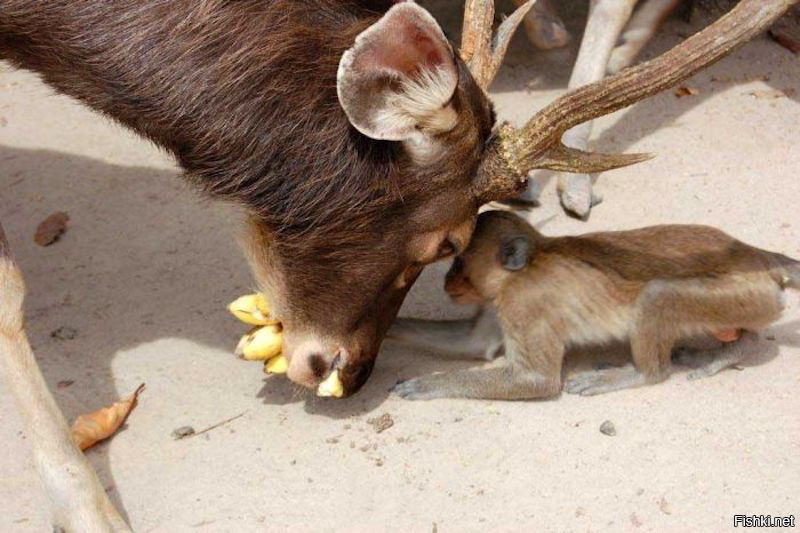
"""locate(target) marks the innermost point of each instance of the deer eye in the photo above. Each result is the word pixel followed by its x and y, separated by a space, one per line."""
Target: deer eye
pixel 446 249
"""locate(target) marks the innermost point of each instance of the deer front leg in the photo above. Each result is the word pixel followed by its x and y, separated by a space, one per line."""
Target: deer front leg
pixel 543 26
pixel 640 30
pixel 476 338
pixel 603 27
pixel 79 503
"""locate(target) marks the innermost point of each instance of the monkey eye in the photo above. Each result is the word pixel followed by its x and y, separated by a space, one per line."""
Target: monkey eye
pixel 446 249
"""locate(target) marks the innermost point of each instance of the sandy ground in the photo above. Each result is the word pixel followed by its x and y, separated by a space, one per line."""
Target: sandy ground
pixel 145 270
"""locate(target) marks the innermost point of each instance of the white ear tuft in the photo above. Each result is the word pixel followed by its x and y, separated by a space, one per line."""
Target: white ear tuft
pixel 424 101
pixel 399 77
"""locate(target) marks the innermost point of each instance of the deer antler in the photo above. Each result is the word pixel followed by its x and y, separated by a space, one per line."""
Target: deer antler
pixel 514 153
pixel 479 51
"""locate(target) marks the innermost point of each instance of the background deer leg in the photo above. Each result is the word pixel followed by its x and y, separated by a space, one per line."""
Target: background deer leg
pixel 640 30
pixel 79 503
pixel 606 20
pixel 543 26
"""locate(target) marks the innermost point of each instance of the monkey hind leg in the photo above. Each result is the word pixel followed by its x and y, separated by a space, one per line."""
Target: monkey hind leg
pixel 712 362
pixel 651 347
pixel 651 364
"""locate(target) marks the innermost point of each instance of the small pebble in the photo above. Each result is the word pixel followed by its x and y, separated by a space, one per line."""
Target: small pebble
pixel 183 432
pixel 607 428
pixel 381 423
pixel 64 334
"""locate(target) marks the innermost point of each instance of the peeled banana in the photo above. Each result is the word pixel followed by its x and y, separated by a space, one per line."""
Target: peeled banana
pixel 331 387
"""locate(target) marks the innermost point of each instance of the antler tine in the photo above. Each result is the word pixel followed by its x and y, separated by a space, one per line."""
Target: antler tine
pixel 482 53
pixel 503 37
pixel 538 145
pixel 476 37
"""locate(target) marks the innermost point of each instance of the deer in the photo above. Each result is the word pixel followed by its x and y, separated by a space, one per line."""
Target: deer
pixel 360 141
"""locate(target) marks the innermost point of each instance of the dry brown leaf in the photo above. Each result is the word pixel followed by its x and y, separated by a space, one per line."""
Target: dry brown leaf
pixel 88 430
pixel 767 95
pixel 685 91
pixel 663 505
pixel 51 228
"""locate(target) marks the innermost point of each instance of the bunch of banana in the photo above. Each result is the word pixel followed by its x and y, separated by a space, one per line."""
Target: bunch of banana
pixel 265 341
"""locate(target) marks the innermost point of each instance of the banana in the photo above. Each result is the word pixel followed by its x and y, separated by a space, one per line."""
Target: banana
pixel 252 309
pixel 331 387
pixel 261 343
pixel 276 365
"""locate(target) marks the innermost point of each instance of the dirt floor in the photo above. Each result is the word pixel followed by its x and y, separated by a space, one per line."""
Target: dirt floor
pixel 142 276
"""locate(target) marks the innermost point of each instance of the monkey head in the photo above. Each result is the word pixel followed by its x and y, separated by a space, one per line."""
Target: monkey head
pixel 501 246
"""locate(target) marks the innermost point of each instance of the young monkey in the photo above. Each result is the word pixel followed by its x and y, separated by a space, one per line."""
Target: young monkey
pixel 653 286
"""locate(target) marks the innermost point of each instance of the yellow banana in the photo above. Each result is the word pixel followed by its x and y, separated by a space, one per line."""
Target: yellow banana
pixel 276 365
pixel 331 387
pixel 262 343
pixel 252 309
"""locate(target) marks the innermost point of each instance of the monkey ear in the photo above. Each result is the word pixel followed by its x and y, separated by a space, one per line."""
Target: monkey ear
pixel 399 77
pixel 515 253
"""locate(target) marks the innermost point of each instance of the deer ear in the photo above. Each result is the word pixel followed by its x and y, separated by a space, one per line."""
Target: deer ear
pixel 399 76
pixel 514 254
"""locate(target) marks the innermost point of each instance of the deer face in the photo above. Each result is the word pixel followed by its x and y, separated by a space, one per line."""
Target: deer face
pixel 416 128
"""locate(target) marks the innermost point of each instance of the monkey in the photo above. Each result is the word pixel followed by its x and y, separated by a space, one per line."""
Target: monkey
pixel 652 287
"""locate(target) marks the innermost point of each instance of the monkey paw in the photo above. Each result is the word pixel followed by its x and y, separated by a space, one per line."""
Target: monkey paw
pixel 422 388
pixel 596 382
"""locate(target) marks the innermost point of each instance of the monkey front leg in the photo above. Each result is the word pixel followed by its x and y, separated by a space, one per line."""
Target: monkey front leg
pixel 593 382
pixel 476 338
pixel 503 383
pixel 533 371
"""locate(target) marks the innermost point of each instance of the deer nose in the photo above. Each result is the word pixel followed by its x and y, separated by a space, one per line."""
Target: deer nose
pixel 318 365
pixel 310 361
